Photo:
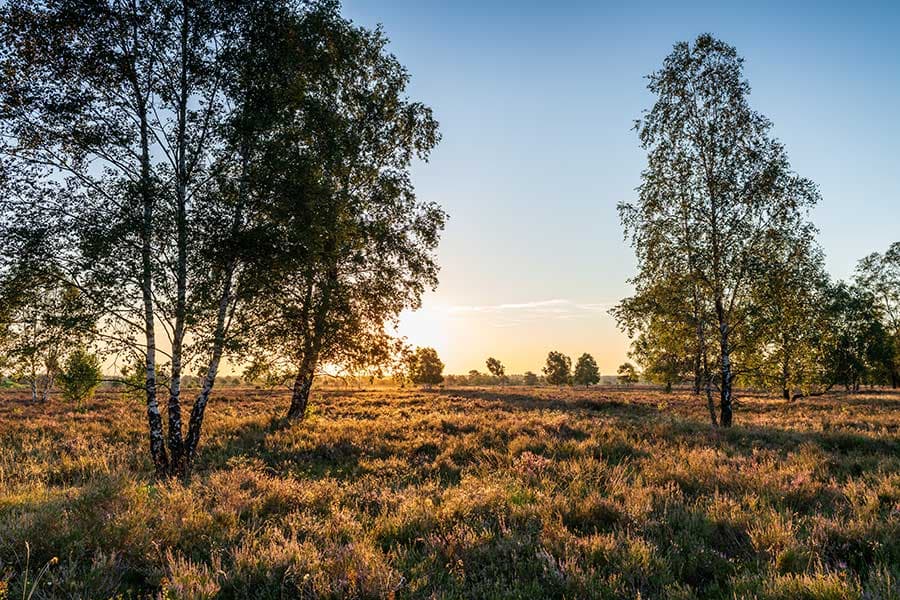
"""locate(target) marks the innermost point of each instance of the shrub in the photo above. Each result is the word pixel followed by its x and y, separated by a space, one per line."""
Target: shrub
pixel 81 377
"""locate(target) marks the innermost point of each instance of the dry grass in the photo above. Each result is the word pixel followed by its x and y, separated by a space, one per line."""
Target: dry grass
pixel 500 493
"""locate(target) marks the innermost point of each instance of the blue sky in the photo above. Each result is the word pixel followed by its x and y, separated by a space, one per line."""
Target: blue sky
pixel 536 101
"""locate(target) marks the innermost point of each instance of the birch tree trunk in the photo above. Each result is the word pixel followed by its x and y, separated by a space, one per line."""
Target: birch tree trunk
pixel 302 386
pixel 176 444
pixel 223 314
pixel 154 418
pixel 725 401
pixel 198 411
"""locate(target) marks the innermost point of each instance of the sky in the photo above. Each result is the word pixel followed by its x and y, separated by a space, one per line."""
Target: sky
pixel 536 102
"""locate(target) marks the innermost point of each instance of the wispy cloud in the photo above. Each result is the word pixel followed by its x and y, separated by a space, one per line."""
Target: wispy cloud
pixel 514 313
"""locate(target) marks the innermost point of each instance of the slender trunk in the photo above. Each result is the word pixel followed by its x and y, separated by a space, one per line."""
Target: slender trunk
pixel 226 299
pixel 302 385
pixel 697 374
pixel 199 409
pixel 307 370
pixel 48 385
pixel 176 443
pixel 785 367
pixel 34 392
pixel 710 404
pixel 154 418
pixel 785 388
pixel 725 401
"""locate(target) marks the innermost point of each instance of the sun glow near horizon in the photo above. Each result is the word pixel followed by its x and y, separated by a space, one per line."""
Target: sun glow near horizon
pixel 518 333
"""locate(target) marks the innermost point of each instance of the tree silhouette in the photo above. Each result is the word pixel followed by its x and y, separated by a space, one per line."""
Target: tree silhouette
pixel 586 371
pixel 627 374
pixel 495 367
pixel 427 369
pixel 558 368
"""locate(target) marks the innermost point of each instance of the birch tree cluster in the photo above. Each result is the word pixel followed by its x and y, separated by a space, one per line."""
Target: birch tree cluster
pixel 731 287
pixel 206 182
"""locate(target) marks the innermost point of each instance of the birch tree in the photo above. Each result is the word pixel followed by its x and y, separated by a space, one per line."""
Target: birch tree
pixel 716 183
pixel 351 244
pixel 128 129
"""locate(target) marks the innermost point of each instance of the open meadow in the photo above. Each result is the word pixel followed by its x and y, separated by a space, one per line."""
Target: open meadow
pixel 461 493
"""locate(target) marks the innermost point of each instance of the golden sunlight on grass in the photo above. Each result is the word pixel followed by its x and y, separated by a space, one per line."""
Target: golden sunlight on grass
pixel 472 493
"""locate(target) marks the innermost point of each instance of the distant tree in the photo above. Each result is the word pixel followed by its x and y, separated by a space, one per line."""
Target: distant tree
pixel 530 378
pixel 81 376
pixel 586 371
pixel 715 185
pixel 859 344
pixel 427 368
pixel 42 319
pixel 495 367
pixel 558 368
pixel 879 274
pixel 627 374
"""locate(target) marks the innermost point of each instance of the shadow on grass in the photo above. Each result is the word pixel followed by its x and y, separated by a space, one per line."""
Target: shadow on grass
pixel 339 459
pixel 514 401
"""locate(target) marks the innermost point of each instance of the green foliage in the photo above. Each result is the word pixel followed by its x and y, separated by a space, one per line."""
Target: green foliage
pixel 788 328
pixel 558 369
pixel 237 174
pixel 132 377
pixel 81 376
pixel 627 374
pixel 426 367
pixel 530 378
pixel 586 371
pixel 39 319
pixel 879 275
pixel 859 348
pixel 670 339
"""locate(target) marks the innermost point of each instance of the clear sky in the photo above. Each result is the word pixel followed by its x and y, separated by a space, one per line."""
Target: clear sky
pixel 536 101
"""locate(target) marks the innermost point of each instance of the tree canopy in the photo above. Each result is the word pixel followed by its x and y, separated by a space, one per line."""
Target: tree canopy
pixel 558 369
pixel 586 371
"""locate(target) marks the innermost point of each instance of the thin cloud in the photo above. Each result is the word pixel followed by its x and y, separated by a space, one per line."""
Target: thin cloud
pixel 513 313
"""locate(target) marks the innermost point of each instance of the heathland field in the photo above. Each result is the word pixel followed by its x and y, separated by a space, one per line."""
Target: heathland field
pixel 464 493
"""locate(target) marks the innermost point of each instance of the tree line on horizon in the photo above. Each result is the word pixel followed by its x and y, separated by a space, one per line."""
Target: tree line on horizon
pixel 424 367
pixel 731 286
